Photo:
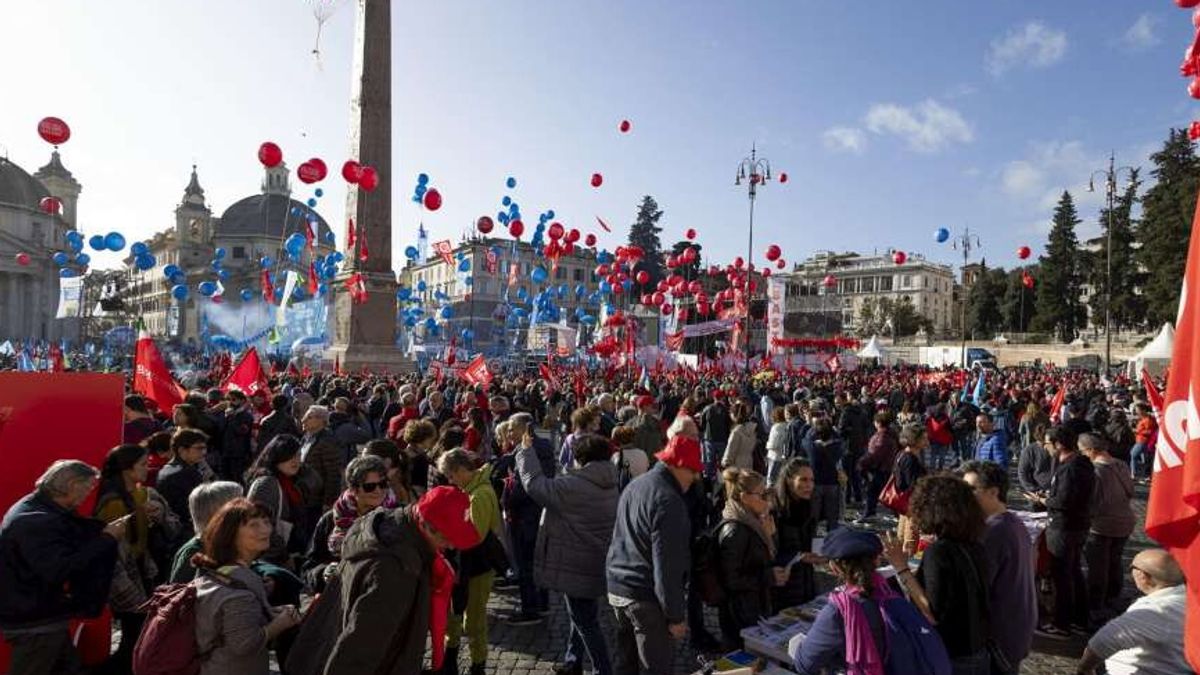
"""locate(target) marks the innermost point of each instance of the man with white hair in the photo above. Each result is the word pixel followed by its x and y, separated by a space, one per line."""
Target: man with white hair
pixel 54 566
pixel 321 452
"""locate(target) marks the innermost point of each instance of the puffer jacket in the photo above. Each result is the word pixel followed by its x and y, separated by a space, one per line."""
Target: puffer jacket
pixel 580 509
pixel 231 612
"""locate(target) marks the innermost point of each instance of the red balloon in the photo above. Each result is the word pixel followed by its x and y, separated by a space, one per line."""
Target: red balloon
pixel 899 257
pixel 783 177
pixel 51 205
pixel 766 272
pixel 573 235
pixel 597 180
pixel 690 234
pixel 307 173
pixel 433 199
pixel 484 224
pixel 1186 4
pixel 1196 18
pixel 556 230
pixel 695 287
pixel 352 171
pixel 1027 280
pixel 780 264
pixel 590 240
pixel 1023 252
pixel 516 228
pixel 368 179
pixel 269 154
pixel 647 299
pixel 658 297
pixel 773 252
pixel 643 277
pixel 1194 88
pixel 1194 131
pixel 829 281
pixel 667 308
pixel 54 131
pixel 625 126
pixel 568 247
pixel 738 262
pixel 601 270
pixel 23 259
pixel 318 164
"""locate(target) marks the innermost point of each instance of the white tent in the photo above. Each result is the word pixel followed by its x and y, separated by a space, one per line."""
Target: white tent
pixel 872 350
pixel 1155 356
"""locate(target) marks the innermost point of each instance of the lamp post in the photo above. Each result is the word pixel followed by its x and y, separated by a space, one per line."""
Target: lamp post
pixel 757 170
pixel 1110 189
pixel 965 242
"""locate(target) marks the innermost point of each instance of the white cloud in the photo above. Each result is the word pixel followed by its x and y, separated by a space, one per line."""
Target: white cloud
pixel 1141 34
pixel 845 139
pixel 1021 178
pixel 1033 45
pixel 927 127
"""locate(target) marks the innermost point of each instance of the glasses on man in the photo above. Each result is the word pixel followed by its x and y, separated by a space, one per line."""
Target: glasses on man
pixel 371 487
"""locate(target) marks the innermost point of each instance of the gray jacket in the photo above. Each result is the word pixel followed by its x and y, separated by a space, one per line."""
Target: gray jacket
pixel 1111 514
pixel 232 618
pixel 577 526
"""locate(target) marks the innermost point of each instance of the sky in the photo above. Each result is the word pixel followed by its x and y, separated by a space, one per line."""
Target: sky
pixel 890 121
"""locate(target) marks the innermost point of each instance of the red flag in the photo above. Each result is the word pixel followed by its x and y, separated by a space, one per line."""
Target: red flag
pixel 477 372
pixel 1057 404
pixel 268 289
pixel 1153 395
pixel 363 253
pixel 1173 510
pixel 151 378
pixel 551 379
pixel 308 234
pixel 674 341
pixel 313 284
pixel 248 375
pixel 351 235
pixel 56 359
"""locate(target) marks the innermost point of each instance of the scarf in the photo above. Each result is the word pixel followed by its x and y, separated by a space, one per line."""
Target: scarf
pixel 442 579
pixel 291 493
pixel 735 511
pixel 862 654
pixel 345 512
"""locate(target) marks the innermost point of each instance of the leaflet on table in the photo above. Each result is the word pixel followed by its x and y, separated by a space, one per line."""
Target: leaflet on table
pixel 743 663
pixel 774 637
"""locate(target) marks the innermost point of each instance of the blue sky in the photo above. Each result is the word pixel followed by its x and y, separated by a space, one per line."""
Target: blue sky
pixel 891 121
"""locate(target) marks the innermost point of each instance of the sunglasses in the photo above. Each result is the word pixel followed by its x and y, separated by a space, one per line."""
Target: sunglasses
pixel 371 487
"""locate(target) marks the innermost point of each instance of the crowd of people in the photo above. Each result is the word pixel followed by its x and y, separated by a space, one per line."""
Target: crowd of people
pixel 390 509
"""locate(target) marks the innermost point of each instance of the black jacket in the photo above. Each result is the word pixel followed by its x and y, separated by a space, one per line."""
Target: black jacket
pixel 1034 468
pixel 237 435
pixel 276 424
pixel 1069 502
pixel 796 527
pixel 745 573
pixel 521 510
pixel 824 457
pixel 318 556
pixel 176 480
pixel 715 422
pixel 54 564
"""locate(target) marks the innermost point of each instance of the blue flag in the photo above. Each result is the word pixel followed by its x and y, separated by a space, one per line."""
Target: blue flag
pixel 25 363
pixel 977 398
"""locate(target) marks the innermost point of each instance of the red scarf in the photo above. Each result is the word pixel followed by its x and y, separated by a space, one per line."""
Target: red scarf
pixel 290 492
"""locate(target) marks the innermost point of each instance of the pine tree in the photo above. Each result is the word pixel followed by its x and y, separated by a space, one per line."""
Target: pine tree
pixel 1128 307
pixel 644 234
pixel 1058 309
pixel 1166 225
pixel 983 302
pixel 1017 315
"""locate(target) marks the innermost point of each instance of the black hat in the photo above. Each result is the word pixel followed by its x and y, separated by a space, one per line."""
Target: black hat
pixel 845 542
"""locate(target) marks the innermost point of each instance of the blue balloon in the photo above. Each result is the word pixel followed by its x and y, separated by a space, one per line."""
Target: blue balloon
pixel 319 192
pixel 329 236
pixel 587 319
pixel 506 201
pixel 178 278
pixel 298 292
pixel 223 274
pixel 430 323
pixel 464 266
pixel 267 262
pixel 140 248
pixel 605 287
pixel 470 281
pixel 538 274
pixel 942 235
pixel 522 293
pixel 171 270
pixel 114 241
pixel 322 289
pixel 83 259
pixel 179 292
pixel 247 295
pixel 67 273
pixel 72 235
pixel 60 258
pixel 447 312
pixel 337 256
pixel 96 241
pixel 216 265
pixel 579 290
pixel 422 179
pixel 76 245
pixel 218 254
pixel 420 191
pixel 207 288
pixel 411 252
pixel 549 214
pixel 144 262
pixel 511 182
pixel 403 293
pixel 416 199
pixel 296 210
pixel 467 334
pixel 421 285
pixel 312 202
pixel 520 313
pixel 410 322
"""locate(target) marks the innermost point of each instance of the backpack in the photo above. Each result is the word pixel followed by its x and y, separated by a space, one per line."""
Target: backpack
pixel 706 565
pixel 624 473
pixel 167 644
pixel 914 647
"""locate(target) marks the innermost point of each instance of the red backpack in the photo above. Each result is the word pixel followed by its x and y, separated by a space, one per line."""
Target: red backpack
pixel 167 645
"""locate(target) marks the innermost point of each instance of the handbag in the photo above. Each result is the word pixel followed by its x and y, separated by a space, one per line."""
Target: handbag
pixel 894 499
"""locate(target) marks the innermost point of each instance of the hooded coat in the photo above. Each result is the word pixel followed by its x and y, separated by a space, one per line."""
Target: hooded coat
pixel 580 509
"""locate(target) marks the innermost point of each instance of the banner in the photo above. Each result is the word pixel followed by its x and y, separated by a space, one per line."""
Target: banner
pixel 288 287
pixel 491 261
pixel 776 288
pixel 444 249
pixel 477 372
pixel 708 328
pixel 567 339
pixel 70 297
pixel 249 377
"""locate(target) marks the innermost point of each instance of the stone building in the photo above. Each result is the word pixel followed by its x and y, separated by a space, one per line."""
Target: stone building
pixel 248 230
pixel 29 293
pixel 928 285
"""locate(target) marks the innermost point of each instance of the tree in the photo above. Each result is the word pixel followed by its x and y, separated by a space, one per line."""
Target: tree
pixel 887 316
pixel 1058 309
pixel 1166 225
pixel 983 302
pixel 1128 306
pixel 1017 306
pixel 644 234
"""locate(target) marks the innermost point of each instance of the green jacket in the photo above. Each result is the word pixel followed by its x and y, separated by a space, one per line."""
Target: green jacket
pixel 485 507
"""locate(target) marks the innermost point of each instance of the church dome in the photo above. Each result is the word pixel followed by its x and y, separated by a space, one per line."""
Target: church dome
pixel 268 215
pixel 18 188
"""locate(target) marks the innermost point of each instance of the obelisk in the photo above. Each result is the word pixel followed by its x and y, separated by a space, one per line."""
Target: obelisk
pixel 365 333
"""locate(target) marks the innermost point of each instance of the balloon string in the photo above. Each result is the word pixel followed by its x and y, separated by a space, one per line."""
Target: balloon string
pixel 316 51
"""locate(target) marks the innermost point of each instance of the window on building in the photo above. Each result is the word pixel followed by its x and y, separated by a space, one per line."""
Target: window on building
pixel 906 281
pixel 578 274
pixel 560 273
pixel 884 284
pixel 868 285
pixel 239 252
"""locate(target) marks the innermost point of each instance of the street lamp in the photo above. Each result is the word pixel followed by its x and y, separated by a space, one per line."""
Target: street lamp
pixel 758 171
pixel 1110 188
pixel 965 242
